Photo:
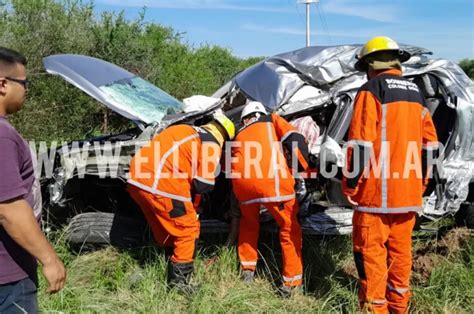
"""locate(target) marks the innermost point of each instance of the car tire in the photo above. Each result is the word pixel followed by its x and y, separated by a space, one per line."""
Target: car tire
pixel 91 231
pixel 465 216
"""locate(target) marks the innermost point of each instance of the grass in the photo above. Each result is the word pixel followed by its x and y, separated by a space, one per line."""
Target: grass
pixel 111 280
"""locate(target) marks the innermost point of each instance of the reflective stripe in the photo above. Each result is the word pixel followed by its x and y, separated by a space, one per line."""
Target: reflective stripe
pixel 297 277
pixel 389 210
pixel 424 112
pixel 285 136
pixel 377 301
pixel 361 143
pixel 398 290
pixel 209 182
pixel 248 263
pixel 158 192
pixel 431 146
pixel 384 156
pixel 273 160
pixel 160 166
pixel 270 199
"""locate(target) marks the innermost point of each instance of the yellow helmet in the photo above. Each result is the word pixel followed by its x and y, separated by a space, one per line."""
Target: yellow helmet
pixel 377 44
pixel 227 124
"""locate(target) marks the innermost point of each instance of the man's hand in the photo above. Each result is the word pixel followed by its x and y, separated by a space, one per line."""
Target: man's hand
pixel 55 274
pixel 353 203
pixel 16 217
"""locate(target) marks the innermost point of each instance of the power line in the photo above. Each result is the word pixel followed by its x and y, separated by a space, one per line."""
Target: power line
pixel 299 12
pixel 324 23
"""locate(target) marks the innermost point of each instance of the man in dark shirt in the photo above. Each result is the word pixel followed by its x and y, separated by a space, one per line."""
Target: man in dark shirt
pixel 21 239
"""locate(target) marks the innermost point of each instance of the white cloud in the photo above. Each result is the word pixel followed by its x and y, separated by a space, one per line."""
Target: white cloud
pixel 374 11
pixel 194 5
pixel 271 29
pixel 302 31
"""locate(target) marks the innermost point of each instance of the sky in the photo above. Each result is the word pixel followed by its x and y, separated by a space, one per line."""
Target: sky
pixel 268 27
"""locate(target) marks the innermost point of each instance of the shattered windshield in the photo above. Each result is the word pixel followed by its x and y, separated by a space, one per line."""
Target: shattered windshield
pixel 150 102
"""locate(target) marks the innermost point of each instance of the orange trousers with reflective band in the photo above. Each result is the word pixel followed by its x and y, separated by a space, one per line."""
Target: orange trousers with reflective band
pixel 290 238
pixel 173 223
pixel 382 251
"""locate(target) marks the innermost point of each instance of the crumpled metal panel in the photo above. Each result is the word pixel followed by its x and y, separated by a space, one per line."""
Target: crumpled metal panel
pixel 458 167
pixel 464 134
pixel 450 74
pixel 322 65
pixel 269 83
pixel 274 80
pixel 458 174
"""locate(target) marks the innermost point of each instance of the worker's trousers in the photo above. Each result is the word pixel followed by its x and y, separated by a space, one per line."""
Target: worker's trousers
pixel 285 215
pixel 382 252
pixel 173 223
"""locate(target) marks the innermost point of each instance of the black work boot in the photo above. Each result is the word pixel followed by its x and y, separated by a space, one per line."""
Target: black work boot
pixel 179 277
pixel 247 276
pixel 288 291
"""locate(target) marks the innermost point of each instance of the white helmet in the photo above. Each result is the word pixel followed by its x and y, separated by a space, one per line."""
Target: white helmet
pixel 253 107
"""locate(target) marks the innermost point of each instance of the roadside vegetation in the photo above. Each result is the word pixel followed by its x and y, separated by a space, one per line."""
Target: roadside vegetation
pixel 57 111
pixel 113 280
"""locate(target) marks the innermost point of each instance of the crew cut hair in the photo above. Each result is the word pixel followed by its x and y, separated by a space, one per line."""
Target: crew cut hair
pixel 10 57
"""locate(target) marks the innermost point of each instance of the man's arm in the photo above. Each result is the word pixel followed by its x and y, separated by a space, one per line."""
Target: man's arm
pixel 208 168
pixel 362 134
pixel 17 218
pixel 430 149
pixel 289 136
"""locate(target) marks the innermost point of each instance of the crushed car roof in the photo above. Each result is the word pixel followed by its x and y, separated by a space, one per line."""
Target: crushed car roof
pixel 275 80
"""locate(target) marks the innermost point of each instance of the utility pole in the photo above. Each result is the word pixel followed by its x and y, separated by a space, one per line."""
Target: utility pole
pixel 308 22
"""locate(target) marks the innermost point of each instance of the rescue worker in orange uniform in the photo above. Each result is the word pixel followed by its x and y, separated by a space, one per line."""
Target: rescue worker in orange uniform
pixel 167 177
pixel 261 176
pixel 391 123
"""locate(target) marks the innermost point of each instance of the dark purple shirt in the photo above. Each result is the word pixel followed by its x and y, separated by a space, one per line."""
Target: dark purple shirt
pixel 16 181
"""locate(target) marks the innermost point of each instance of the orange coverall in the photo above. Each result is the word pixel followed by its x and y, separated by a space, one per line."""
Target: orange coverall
pixel 268 181
pixel 176 166
pixel 389 121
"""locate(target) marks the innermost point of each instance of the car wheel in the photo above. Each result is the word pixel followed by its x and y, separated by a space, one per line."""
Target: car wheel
pixel 465 216
pixel 89 231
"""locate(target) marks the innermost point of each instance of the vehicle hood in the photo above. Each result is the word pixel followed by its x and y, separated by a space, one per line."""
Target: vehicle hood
pixel 121 91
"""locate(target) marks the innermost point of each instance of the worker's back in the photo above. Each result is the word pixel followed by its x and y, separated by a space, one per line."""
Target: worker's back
pixel 166 166
pixel 397 124
pixel 261 164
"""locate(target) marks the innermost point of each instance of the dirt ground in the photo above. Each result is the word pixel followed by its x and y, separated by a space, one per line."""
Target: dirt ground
pixel 429 253
pixel 427 256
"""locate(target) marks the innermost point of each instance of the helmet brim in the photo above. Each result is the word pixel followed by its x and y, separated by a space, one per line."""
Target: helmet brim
pixel 361 65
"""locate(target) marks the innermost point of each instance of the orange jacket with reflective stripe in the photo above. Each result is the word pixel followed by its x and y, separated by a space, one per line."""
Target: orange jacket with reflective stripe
pixel 390 121
pixel 178 162
pixel 260 172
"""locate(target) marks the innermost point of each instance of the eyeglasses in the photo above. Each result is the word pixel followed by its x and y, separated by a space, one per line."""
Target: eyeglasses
pixel 26 83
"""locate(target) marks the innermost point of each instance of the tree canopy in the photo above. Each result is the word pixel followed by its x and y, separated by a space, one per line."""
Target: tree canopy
pixel 468 66
pixel 55 110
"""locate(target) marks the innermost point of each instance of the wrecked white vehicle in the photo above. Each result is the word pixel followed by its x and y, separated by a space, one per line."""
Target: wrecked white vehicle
pixel 321 82
pixel 316 82
pixel 86 184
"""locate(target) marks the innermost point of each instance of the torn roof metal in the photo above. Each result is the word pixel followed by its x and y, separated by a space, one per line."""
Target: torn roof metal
pixel 275 80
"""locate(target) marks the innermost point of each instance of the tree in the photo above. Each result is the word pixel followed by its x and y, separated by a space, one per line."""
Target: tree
pixel 468 66
pixel 55 110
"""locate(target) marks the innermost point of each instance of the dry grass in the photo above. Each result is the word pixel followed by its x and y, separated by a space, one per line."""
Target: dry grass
pixel 110 280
